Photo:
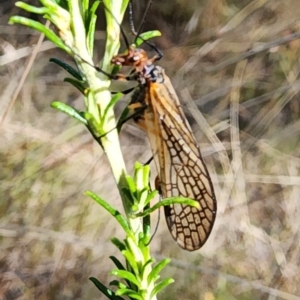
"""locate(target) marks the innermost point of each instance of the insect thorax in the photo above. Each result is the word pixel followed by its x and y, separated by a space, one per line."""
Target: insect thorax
pixel 151 73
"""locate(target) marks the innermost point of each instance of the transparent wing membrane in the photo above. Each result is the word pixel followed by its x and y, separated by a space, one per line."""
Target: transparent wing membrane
pixel 180 167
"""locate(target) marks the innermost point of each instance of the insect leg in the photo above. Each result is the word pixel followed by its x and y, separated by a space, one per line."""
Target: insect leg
pixel 137 112
pixel 149 160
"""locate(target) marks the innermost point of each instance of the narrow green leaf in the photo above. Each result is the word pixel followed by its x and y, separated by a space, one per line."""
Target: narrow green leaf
pixel 143 194
pixel 33 9
pixel 147 265
pixel 93 125
pixel 139 172
pixel 51 5
pixel 124 6
pixel 146 230
pixel 129 195
pixel 130 293
pixel 115 69
pixel 138 165
pixel 85 8
pixel 131 260
pixel 111 104
pixel 91 34
pixel 90 25
pixel 105 290
pixel 135 250
pixel 151 195
pixel 74 113
pixel 140 238
pixel 118 264
pixel 160 286
pixel 126 275
pixel 131 184
pixel 50 35
pixel 62 3
pixel 169 201
pixel 116 214
pixel 118 284
pixel 121 246
pixel 126 116
pixel 76 83
pixel 75 73
pixel 146 36
pixel 94 7
pixel 146 175
pixel 157 269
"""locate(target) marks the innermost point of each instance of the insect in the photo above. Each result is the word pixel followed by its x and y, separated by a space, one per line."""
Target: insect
pixel 180 167
pixel 181 170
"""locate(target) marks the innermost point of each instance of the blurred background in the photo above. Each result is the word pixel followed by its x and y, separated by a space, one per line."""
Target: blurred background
pixel 235 66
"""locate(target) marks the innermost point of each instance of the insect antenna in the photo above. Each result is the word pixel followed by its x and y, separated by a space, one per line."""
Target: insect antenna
pixel 137 33
pixel 145 16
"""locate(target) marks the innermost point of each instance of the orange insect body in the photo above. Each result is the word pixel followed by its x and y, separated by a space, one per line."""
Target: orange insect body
pixel 181 169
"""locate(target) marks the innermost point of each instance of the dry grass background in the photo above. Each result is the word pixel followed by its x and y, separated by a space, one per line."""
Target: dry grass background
pixel 241 93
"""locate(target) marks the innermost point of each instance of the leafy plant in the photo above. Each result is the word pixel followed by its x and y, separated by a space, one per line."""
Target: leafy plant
pixel 74 23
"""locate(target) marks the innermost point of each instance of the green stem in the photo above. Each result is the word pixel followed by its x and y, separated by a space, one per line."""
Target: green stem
pixel 101 97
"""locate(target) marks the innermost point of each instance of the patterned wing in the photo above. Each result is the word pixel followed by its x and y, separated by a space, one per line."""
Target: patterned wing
pixel 180 167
